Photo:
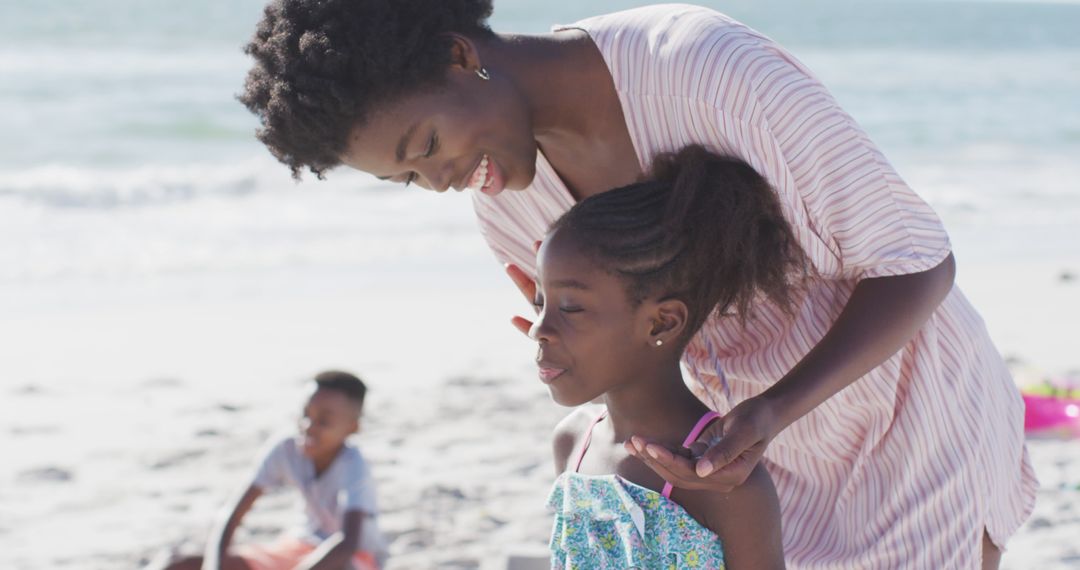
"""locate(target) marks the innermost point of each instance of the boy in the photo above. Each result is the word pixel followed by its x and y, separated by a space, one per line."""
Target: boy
pixel 332 477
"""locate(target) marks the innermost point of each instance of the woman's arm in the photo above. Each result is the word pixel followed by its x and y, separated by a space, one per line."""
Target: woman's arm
pixel 881 316
pixel 226 526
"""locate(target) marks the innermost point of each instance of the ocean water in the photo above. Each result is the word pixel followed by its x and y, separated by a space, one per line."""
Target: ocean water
pixel 123 152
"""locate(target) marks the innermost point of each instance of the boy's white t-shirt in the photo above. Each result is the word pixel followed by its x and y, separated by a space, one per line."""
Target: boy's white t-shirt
pixel 347 485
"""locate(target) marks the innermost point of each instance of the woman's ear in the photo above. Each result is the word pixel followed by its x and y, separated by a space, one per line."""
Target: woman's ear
pixel 463 54
pixel 669 318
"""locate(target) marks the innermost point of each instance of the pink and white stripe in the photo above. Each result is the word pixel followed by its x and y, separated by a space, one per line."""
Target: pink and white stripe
pixel 905 468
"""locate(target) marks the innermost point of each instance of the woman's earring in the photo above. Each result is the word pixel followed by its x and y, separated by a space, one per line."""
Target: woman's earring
pixel 659 342
pixel 483 73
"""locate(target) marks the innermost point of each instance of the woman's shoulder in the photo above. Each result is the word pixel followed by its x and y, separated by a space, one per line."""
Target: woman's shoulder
pixel 666 35
pixel 650 17
pixel 684 52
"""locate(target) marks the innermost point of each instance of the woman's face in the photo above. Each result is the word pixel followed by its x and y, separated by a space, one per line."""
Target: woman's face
pixel 592 338
pixel 469 133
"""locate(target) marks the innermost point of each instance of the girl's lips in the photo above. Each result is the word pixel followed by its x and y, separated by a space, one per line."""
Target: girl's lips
pixel 548 375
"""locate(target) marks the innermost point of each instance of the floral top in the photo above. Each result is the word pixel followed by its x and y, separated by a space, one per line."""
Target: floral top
pixel 605 521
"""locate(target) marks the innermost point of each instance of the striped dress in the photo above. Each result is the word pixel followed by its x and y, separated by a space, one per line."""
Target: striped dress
pixel 908 465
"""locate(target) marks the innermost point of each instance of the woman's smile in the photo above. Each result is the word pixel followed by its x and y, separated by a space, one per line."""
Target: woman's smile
pixel 487 177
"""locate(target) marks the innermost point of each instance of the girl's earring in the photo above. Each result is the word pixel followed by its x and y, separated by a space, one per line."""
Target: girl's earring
pixel 483 73
pixel 659 342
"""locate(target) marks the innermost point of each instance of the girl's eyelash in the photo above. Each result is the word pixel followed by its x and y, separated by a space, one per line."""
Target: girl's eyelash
pixel 539 303
pixel 410 179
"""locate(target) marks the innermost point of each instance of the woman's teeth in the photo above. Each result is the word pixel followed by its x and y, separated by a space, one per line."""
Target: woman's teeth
pixel 479 178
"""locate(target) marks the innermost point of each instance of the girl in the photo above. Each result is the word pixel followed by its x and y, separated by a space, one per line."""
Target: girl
pixel 893 430
pixel 626 278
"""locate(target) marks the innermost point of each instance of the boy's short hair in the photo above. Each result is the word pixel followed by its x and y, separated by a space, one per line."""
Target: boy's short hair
pixel 343 382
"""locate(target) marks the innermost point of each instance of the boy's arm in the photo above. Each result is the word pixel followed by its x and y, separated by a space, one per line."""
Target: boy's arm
pixel 747 520
pixel 336 552
pixel 227 522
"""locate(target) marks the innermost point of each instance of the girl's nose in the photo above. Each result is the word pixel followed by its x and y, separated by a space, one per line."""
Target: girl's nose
pixel 540 331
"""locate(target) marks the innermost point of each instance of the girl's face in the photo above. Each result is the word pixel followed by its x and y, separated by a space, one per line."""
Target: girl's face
pixel 592 339
pixel 471 133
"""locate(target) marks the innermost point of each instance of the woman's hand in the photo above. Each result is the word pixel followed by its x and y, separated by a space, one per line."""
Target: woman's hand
pixel 726 452
pixel 527 286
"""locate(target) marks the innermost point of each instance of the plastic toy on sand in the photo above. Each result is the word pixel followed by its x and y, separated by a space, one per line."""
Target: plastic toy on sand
pixel 1051 416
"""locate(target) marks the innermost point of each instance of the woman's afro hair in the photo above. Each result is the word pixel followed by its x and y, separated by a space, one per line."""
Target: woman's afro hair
pixel 321 66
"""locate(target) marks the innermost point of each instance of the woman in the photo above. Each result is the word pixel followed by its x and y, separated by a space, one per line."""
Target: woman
pixel 886 417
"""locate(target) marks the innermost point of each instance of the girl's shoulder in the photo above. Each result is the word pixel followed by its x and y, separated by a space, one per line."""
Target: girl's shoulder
pixel 569 432
pixel 747 519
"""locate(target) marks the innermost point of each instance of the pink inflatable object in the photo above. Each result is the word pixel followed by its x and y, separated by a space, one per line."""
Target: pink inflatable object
pixel 1049 415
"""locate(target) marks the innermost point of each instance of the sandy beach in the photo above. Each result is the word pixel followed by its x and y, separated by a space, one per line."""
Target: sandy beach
pixel 131 421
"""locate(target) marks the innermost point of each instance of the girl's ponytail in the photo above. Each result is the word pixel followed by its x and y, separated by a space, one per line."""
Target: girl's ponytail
pixel 705 229
pixel 735 239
